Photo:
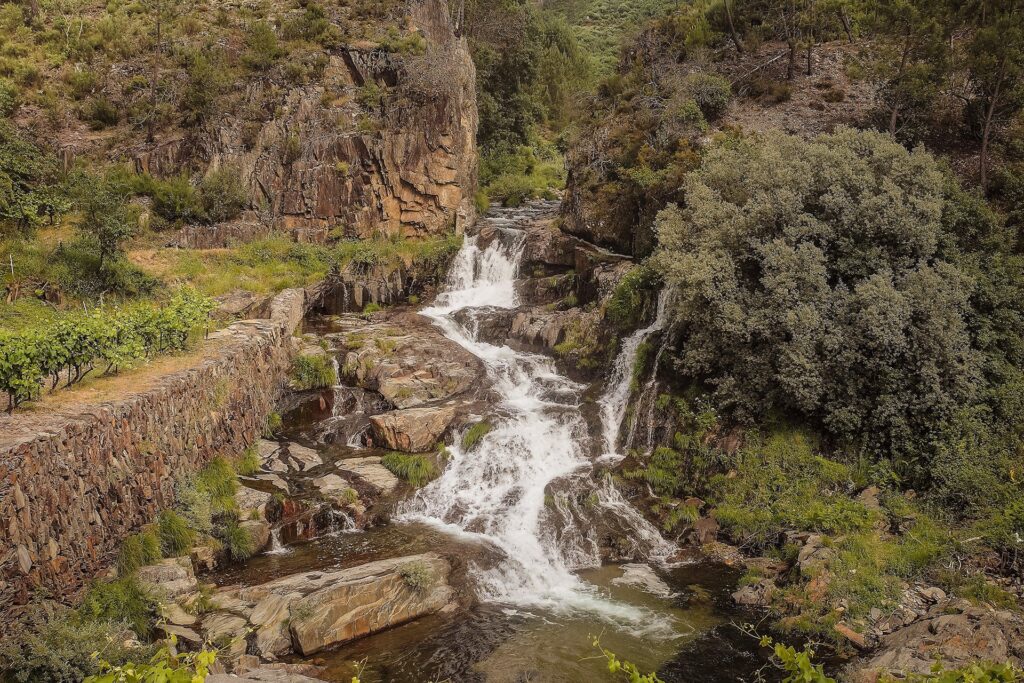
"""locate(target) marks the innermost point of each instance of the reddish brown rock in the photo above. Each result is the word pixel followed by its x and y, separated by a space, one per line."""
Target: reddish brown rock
pixel 415 430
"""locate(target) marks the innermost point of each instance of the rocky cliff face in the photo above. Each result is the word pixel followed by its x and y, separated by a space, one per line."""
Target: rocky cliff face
pixel 381 143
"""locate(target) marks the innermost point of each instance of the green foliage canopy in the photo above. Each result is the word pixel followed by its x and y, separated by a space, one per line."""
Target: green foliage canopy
pixel 811 283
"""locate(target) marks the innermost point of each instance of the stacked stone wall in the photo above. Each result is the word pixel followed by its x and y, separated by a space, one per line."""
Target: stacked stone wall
pixel 74 483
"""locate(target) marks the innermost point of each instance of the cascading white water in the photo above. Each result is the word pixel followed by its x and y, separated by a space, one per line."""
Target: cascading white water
pixel 616 397
pixel 276 547
pixel 645 405
pixel 496 494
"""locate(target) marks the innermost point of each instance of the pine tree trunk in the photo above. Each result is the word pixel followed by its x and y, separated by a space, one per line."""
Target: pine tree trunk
pixel 732 29
pixel 846 24
pixel 904 59
pixel 986 132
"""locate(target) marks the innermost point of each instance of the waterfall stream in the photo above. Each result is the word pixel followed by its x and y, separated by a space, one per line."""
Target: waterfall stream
pixel 498 494
pixel 616 398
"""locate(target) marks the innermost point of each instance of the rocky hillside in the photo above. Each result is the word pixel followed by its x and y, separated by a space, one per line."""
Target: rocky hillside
pixel 380 143
pixel 347 120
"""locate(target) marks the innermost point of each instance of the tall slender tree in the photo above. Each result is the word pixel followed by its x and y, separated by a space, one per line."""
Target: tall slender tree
pixel 995 63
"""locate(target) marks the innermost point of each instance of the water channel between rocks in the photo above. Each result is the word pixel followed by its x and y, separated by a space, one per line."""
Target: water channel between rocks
pixel 518 517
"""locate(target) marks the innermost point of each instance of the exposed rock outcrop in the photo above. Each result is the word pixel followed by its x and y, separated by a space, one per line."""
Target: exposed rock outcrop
pixel 408 361
pixel 331 162
pixel 308 612
pixel 415 430
pixel 168 578
pixel 954 634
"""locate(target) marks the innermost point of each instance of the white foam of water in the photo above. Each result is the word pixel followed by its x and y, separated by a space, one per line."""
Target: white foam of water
pixel 496 494
pixel 646 403
pixel 616 397
pixel 276 547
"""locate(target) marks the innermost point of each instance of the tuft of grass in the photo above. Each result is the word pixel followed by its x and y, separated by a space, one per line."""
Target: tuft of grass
pixel 418 470
pixel 313 372
pixel 138 550
pixel 176 537
pixel 236 539
pixel 219 482
pixel 473 435
pixel 248 463
pixel 417 576
pixel 273 426
pixel 123 600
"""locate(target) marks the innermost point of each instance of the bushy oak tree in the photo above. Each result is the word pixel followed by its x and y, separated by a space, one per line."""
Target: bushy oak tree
pixel 810 282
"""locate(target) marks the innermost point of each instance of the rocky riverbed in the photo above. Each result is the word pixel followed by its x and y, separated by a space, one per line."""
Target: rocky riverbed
pixel 501 546
pixel 446 511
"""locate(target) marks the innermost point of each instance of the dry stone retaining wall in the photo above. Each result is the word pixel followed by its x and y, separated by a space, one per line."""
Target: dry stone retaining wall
pixel 75 483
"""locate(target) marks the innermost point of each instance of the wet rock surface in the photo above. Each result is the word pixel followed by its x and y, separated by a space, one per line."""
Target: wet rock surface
pixel 405 359
pixel 307 612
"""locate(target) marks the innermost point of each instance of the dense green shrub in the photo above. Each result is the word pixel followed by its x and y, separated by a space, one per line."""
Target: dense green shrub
pixel 223 193
pixel 310 23
pixel 29 190
pixel 711 92
pixel 100 113
pixel 262 48
pixel 513 174
pixel 176 199
pixel 829 301
pixel 53 644
pixel 632 299
pixel 198 101
pixel 120 601
pixel 8 97
pixel 107 219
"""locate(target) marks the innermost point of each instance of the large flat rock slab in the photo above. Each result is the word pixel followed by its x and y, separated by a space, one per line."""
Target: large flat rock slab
pixel 311 611
pixel 371 471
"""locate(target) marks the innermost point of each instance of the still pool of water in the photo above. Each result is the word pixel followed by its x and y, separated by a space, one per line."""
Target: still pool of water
pixel 505 644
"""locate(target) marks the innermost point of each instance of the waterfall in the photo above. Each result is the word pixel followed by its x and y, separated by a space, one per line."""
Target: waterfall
pixel 645 405
pixel 497 493
pixel 356 440
pixel 276 547
pixel 616 397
